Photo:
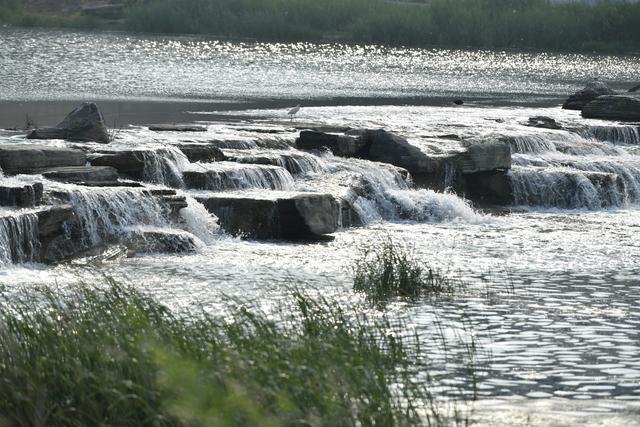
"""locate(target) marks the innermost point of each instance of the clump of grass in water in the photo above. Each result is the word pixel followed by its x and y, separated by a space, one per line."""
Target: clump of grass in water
pixel 387 270
pixel 111 355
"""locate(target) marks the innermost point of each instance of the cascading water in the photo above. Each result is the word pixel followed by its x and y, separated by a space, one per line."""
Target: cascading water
pixel 224 176
pixel 19 240
pixel 165 166
pixel 628 135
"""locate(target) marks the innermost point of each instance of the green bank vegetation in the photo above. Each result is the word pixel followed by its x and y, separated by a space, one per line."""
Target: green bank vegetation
pixel 109 355
pixel 574 26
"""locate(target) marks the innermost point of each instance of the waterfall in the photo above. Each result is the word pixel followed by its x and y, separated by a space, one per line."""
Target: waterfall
pixel 560 141
pixel 376 191
pixel 165 166
pixel 223 176
pixel 628 135
pixel 19 240
pixel 200 222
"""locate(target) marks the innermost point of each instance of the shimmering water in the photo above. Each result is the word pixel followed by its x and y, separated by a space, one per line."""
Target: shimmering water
pixel 553 286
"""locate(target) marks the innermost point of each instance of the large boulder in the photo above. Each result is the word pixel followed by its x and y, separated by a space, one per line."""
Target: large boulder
pixel 386 147
pixel 301 216
pixel 613 107
pixel 31 158
pixel 593 90
pixel 85 123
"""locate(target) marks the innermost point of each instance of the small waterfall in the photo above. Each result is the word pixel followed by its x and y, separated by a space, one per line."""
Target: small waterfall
pixel 224 176
pixel 560 141
pixel 297 164
pixel 165 166
pixel 200 222
pixel 106 214
pixel 376 191
pixel 628 135
pixel 537 143
pixel 567 188
pixel 19 240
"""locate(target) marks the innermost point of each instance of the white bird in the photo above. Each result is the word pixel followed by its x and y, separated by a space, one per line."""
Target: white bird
pixel 292 113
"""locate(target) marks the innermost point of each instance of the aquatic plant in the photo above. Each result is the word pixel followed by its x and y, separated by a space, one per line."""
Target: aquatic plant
pixel 108 354
pixel 388 270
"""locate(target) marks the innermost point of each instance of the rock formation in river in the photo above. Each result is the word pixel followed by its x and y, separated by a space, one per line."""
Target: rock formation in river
pixel 84 123
pixel 591 91
pixel 613 107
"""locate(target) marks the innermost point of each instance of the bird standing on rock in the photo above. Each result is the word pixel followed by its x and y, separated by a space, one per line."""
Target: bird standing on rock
pixel 292 112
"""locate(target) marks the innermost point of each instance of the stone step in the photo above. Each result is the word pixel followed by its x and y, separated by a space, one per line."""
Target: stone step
pixel 32 158
pixel 82 174
pixel 224 176
pixel 290 216
pixel 24 196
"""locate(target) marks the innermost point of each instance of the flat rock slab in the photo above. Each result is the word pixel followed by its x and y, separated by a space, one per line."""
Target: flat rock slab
pixel 340 145
pixel 83 174
pixel 24 196
pixel 302 216
pixel 177 128
pixel 205 153
pixel 613 107
pixel 31 158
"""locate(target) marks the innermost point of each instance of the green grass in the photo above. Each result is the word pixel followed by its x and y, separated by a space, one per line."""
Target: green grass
pixel 110 355
pixel 388 271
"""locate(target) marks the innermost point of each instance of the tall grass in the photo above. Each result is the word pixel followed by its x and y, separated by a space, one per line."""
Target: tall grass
pixel 388 270
pixel 112 356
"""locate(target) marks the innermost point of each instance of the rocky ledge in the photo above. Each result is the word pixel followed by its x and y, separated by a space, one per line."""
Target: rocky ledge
pixel 613 107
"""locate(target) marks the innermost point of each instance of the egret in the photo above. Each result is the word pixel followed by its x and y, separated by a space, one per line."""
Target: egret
pixel 292 113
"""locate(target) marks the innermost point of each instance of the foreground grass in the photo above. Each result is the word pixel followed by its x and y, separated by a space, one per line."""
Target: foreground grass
pixel 389 271
pixel 111 355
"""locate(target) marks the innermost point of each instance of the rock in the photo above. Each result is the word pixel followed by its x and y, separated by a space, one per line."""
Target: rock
pixel 483 157
pixel 59 234
pixel 458 102
pixel 340 145
pixel 128 163
pixel 488 188
pixel 25 196
pixel 85 123
pixel 543 122
pixel 385 147
pixel 224 176
pixel 299 216
pixel 591 91
pixel 636 88
pixel 161 241
pixel 31 158
pixel 83 174
pixel 177 128
pixel 613 107
pixel 205 153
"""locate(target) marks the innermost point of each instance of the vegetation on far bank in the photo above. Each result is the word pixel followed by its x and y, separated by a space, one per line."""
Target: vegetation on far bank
pixel 539 24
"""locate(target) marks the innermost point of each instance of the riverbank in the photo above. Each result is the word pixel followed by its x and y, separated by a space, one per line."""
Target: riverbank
pixel 530 24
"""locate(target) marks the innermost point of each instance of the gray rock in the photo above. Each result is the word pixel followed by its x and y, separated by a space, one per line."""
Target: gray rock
pixel 591 91
pixel 128 163
pixel 340 145
pixel 25 196
pixel 205 153
pixel 83 174
pixel 385 147
pixel 613 107
pixel 177 128
pixel 85 123
pixel 636 88
pixel 488 188
pixel 161 241
pixel 543 122
pixel 31 158
pixel 483 158
pixel 300 216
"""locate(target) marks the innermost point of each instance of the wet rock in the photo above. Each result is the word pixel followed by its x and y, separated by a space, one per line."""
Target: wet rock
pixel 31 158
pixel 24 196
pixel 636 88
pixel 340 145
pixel 127 163
pixel 591 91
pixel 543 122
pixel 232 176
pixel 385 147
pixel 59 234
pixel 161 241
pixel 205 153
pixel 83 174
pixel 458 102
pixel 300 216
pixel 177 128
pixel 488 188
pixel 613 107
pixel 85 123
pixel 483 157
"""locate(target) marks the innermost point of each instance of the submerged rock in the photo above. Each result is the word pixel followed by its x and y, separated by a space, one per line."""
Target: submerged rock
pixel 591 91
pixel 614 107
pixel 161 241
pixel 177 128
pixel 302 216
pixel 85 123
pixel 31 158
pixel 543 122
